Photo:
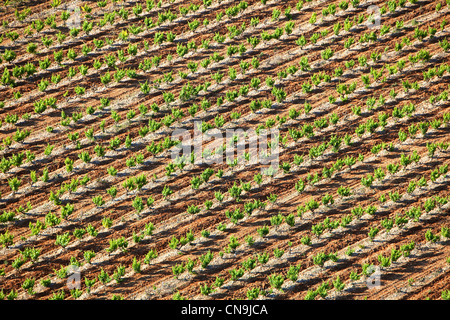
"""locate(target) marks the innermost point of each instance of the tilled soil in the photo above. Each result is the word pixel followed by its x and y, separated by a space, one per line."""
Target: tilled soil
pixel 169 216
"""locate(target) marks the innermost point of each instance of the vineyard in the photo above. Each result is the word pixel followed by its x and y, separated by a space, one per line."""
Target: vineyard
pixel 94 204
